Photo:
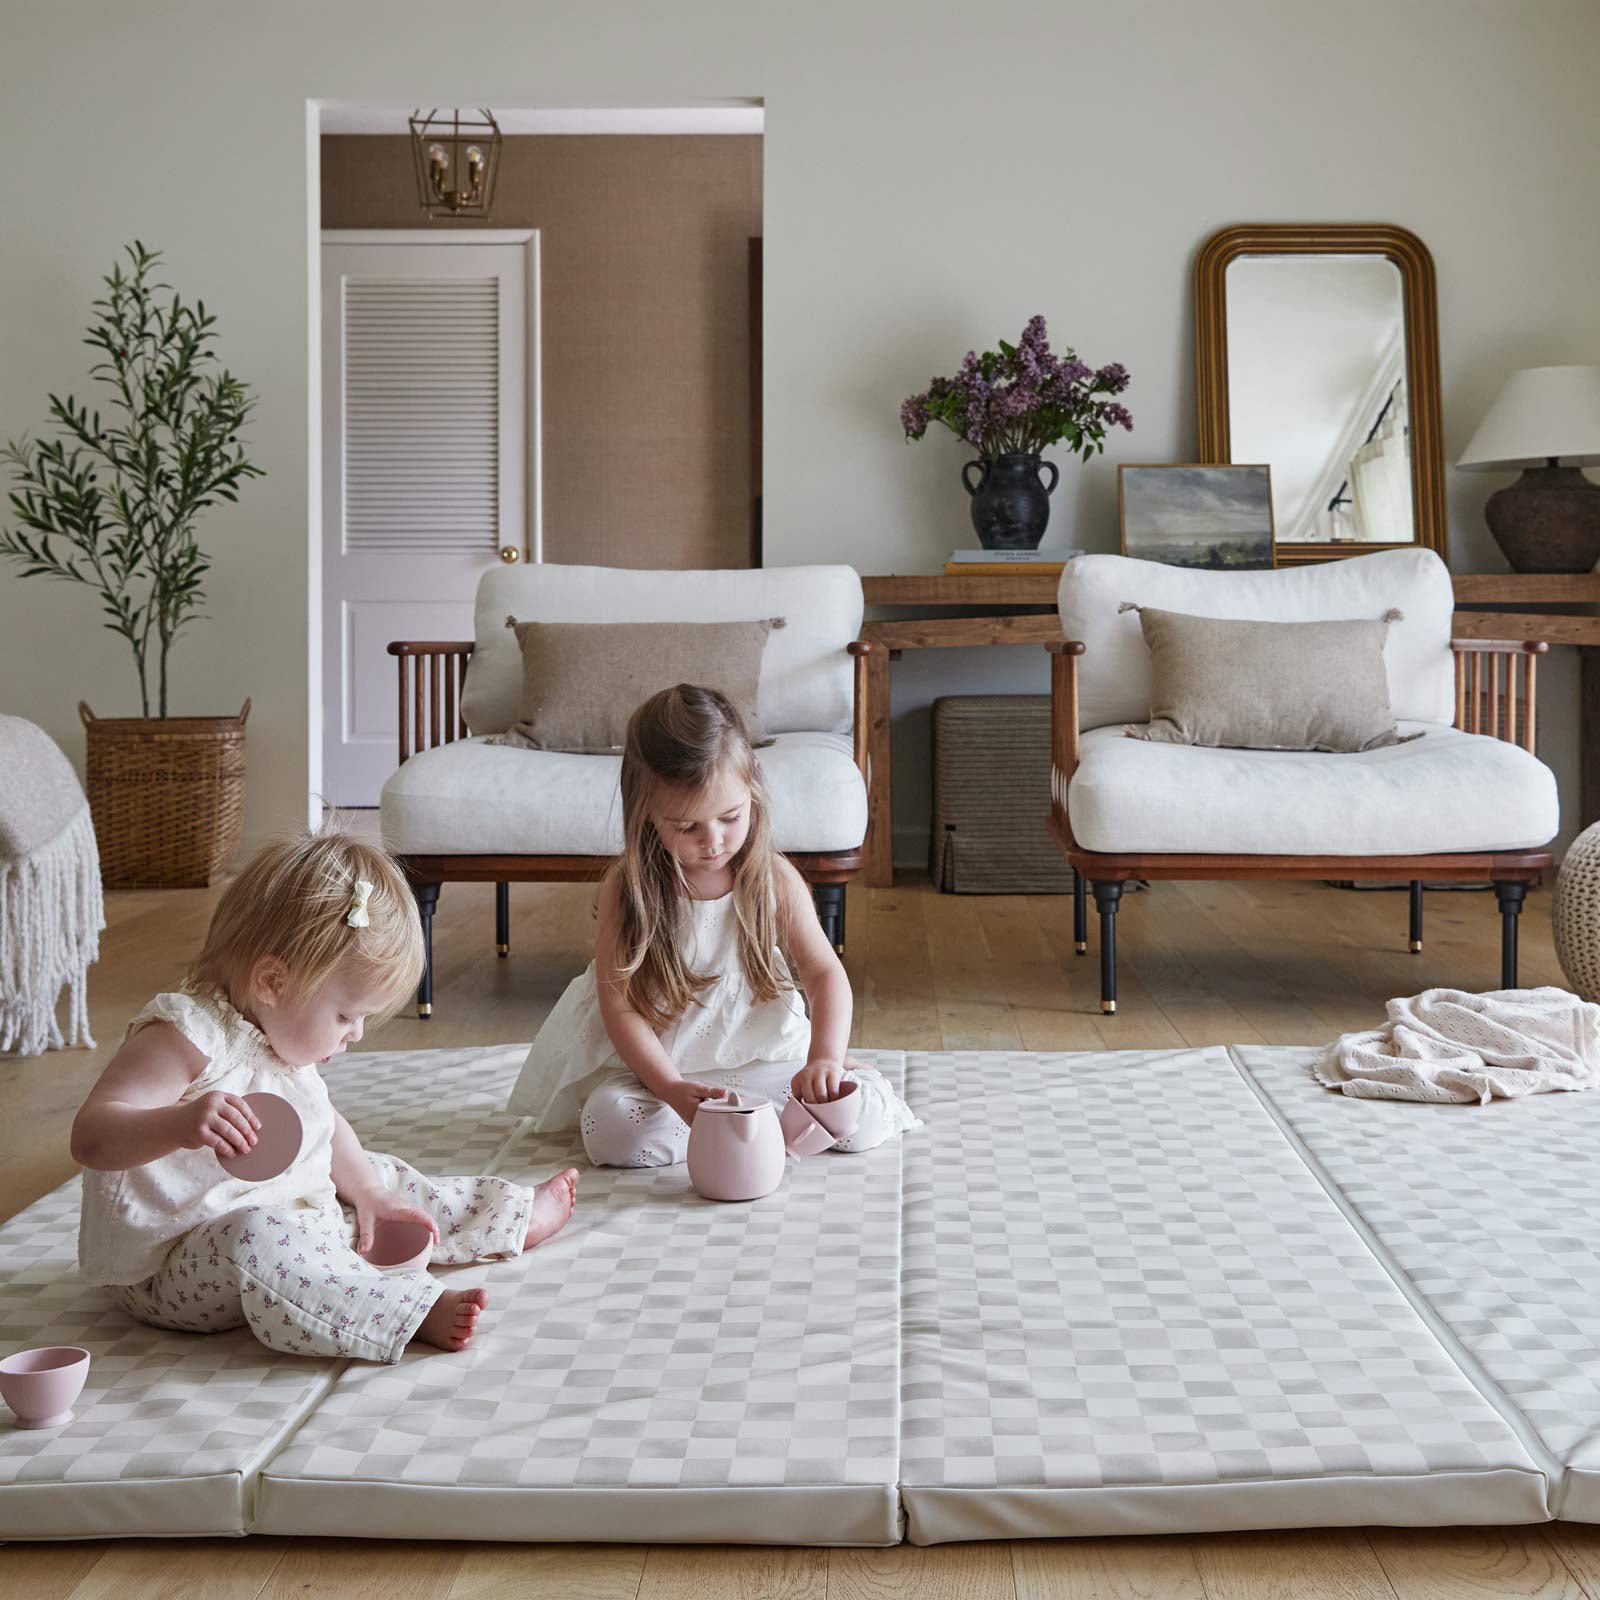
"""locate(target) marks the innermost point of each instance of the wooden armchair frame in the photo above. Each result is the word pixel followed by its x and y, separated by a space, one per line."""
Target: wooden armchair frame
pixel 432 674
pixel 1486 674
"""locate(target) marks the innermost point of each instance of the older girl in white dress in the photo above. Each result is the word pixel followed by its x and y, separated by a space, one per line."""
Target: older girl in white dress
pixel 317 935
pixel 689 995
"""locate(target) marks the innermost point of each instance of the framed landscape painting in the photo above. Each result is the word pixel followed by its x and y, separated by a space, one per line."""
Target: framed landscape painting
pixel 1217 517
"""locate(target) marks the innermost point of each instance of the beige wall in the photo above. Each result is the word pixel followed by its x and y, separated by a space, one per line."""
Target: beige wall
pixel 933 175
pixel 645 304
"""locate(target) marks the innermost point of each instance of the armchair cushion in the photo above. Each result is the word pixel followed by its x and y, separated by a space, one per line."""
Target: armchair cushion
pixel 807 680
pixel 1114 673
pixel 582 681
pixel 475 798
pixel 1267 685
pixel 1447 791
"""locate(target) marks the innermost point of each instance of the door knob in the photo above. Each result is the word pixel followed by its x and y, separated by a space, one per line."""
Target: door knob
pixel 509 553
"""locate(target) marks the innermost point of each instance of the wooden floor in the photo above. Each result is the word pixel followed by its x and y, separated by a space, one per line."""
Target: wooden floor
pixel 1202 963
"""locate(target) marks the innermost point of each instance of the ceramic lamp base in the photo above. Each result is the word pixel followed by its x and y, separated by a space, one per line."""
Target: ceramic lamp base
pixel 1547 521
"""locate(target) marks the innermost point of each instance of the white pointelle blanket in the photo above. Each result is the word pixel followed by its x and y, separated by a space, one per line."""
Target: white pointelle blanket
pixel 1448 1044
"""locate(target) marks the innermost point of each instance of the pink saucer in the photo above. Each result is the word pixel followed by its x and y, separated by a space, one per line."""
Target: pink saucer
pixel 277 1140
pixel 398 1246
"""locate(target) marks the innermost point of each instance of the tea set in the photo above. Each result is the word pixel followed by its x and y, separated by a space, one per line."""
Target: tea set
pixel 739 1145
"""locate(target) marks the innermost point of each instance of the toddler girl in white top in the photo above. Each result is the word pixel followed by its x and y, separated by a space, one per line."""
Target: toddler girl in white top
pixel 316 936
pixel 688 995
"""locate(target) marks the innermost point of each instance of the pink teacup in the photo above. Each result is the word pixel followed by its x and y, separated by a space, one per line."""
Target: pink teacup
pixel 40 1385
pixel 841 1115
pixel 803 1135
pixel 398 1246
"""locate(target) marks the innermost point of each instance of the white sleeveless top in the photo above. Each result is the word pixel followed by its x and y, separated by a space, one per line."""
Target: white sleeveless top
pixel 130 1220
pixel 728 1028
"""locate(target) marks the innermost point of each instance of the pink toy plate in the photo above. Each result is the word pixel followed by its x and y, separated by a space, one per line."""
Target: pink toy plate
pixel 277 1140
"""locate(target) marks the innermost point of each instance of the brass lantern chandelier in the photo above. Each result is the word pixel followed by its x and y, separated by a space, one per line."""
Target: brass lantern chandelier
pixel 458 158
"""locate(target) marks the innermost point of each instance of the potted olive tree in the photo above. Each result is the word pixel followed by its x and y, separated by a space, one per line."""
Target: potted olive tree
pixel 112 501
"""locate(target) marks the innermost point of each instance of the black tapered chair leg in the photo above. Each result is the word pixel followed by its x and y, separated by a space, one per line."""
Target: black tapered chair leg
pixel 1416 915
pixel 1510 896
pixel 1080 913
pixel 427 901
pixel 829 898
pixel 1107 897
pixel 502 919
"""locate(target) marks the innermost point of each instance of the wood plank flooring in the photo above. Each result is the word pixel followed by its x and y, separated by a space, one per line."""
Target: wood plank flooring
pixel 1202 963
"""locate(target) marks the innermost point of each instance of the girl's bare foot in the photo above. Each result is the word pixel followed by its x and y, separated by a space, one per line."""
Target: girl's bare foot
pixel 453 1319
pixel 552 1207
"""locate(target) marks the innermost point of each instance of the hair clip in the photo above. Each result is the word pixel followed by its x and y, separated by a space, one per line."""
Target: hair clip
pixel 358 905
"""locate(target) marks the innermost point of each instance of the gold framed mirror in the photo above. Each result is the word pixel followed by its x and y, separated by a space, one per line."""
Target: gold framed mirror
pixel 1317 351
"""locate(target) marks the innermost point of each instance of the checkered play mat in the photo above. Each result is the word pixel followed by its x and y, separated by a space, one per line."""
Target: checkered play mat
pixel 1143 1291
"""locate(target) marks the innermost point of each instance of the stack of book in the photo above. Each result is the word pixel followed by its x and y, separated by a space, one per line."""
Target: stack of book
pixel 1008 563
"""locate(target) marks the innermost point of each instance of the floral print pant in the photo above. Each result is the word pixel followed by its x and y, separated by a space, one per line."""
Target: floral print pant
pixel 293 1275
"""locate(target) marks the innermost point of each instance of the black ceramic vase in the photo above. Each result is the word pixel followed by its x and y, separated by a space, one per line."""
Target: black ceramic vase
pixel 1010 505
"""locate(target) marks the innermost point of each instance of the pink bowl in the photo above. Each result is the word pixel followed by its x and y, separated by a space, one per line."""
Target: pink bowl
pixel 841 1115
pixel 40 1385
pixel 399 1247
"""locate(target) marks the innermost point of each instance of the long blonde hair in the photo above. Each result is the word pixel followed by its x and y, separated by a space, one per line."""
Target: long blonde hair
pixel 687 738
pixel 292 901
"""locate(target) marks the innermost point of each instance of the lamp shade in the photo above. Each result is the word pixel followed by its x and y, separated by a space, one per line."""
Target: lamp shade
pixel 1539 413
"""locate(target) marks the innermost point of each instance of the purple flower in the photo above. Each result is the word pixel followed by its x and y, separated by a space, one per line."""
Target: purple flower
pixel 1022 398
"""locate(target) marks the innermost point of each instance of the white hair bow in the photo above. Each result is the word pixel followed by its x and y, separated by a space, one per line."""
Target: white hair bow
pixel 358 905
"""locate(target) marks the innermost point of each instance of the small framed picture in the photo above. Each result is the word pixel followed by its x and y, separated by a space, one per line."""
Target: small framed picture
pixel 1216 517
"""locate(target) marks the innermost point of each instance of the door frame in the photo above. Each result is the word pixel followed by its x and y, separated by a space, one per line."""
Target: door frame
pixel 533 533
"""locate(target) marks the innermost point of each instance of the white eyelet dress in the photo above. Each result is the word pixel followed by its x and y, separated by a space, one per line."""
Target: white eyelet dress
pixel 185 1245
pixel 573 1077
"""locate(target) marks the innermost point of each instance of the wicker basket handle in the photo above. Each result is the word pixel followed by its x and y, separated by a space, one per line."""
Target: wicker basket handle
pixel 85 712
pixel 244 711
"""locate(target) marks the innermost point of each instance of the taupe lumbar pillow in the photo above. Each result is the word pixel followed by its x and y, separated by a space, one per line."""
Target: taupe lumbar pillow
pixel 1267 685
pixel 581 681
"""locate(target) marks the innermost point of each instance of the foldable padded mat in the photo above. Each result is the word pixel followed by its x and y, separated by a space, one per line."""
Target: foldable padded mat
pixel 171 1428
pixel 667 1368
pixel 1490 1212
pixel 1130 1307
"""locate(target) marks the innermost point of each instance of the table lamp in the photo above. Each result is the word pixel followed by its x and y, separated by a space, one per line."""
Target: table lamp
pixel 1549 519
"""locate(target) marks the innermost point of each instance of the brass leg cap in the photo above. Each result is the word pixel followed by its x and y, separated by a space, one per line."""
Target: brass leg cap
pixel 1416 946
pixel 1081 946
pixel 425 1010
pixel 1108 1006
pixel 502 949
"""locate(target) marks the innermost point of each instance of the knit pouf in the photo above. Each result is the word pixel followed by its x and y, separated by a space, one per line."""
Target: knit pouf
pixel 1576 914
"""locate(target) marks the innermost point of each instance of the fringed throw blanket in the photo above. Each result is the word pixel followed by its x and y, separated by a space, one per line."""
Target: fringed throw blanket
pixel 51 911
pixel 1451 1045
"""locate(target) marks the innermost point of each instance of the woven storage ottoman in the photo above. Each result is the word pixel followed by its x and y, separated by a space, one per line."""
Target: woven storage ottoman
pixel 991 797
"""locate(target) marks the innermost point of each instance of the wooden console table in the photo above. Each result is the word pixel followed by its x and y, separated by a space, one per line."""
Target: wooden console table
pixel 1021 609
pixel 1028 617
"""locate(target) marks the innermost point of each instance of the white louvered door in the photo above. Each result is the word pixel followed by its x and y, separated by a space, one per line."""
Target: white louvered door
pixel 429 464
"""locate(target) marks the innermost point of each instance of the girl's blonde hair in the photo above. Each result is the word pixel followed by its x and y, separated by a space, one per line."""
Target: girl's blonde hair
pixel 687 738
pixel 293 900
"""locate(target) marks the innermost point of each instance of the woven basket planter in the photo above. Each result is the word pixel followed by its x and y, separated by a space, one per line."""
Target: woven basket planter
pixel 167 796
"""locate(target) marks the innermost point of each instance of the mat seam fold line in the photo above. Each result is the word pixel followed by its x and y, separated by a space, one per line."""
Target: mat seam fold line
pixel 252 1475
pixel 1467 1364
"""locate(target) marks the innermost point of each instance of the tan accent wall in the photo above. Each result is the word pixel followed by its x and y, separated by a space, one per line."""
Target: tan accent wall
pixel 644 250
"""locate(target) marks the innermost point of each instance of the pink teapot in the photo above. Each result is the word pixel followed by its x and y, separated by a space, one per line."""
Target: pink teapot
pixel 736 1148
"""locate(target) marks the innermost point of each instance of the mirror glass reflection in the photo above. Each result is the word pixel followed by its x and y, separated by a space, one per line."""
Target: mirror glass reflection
pixel 1317 391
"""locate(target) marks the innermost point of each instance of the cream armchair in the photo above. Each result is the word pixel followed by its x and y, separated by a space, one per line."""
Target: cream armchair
pixel 461 810
pixel 1470 801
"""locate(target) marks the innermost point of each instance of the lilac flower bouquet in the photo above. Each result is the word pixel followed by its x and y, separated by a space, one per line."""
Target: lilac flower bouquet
pixel 1022 399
